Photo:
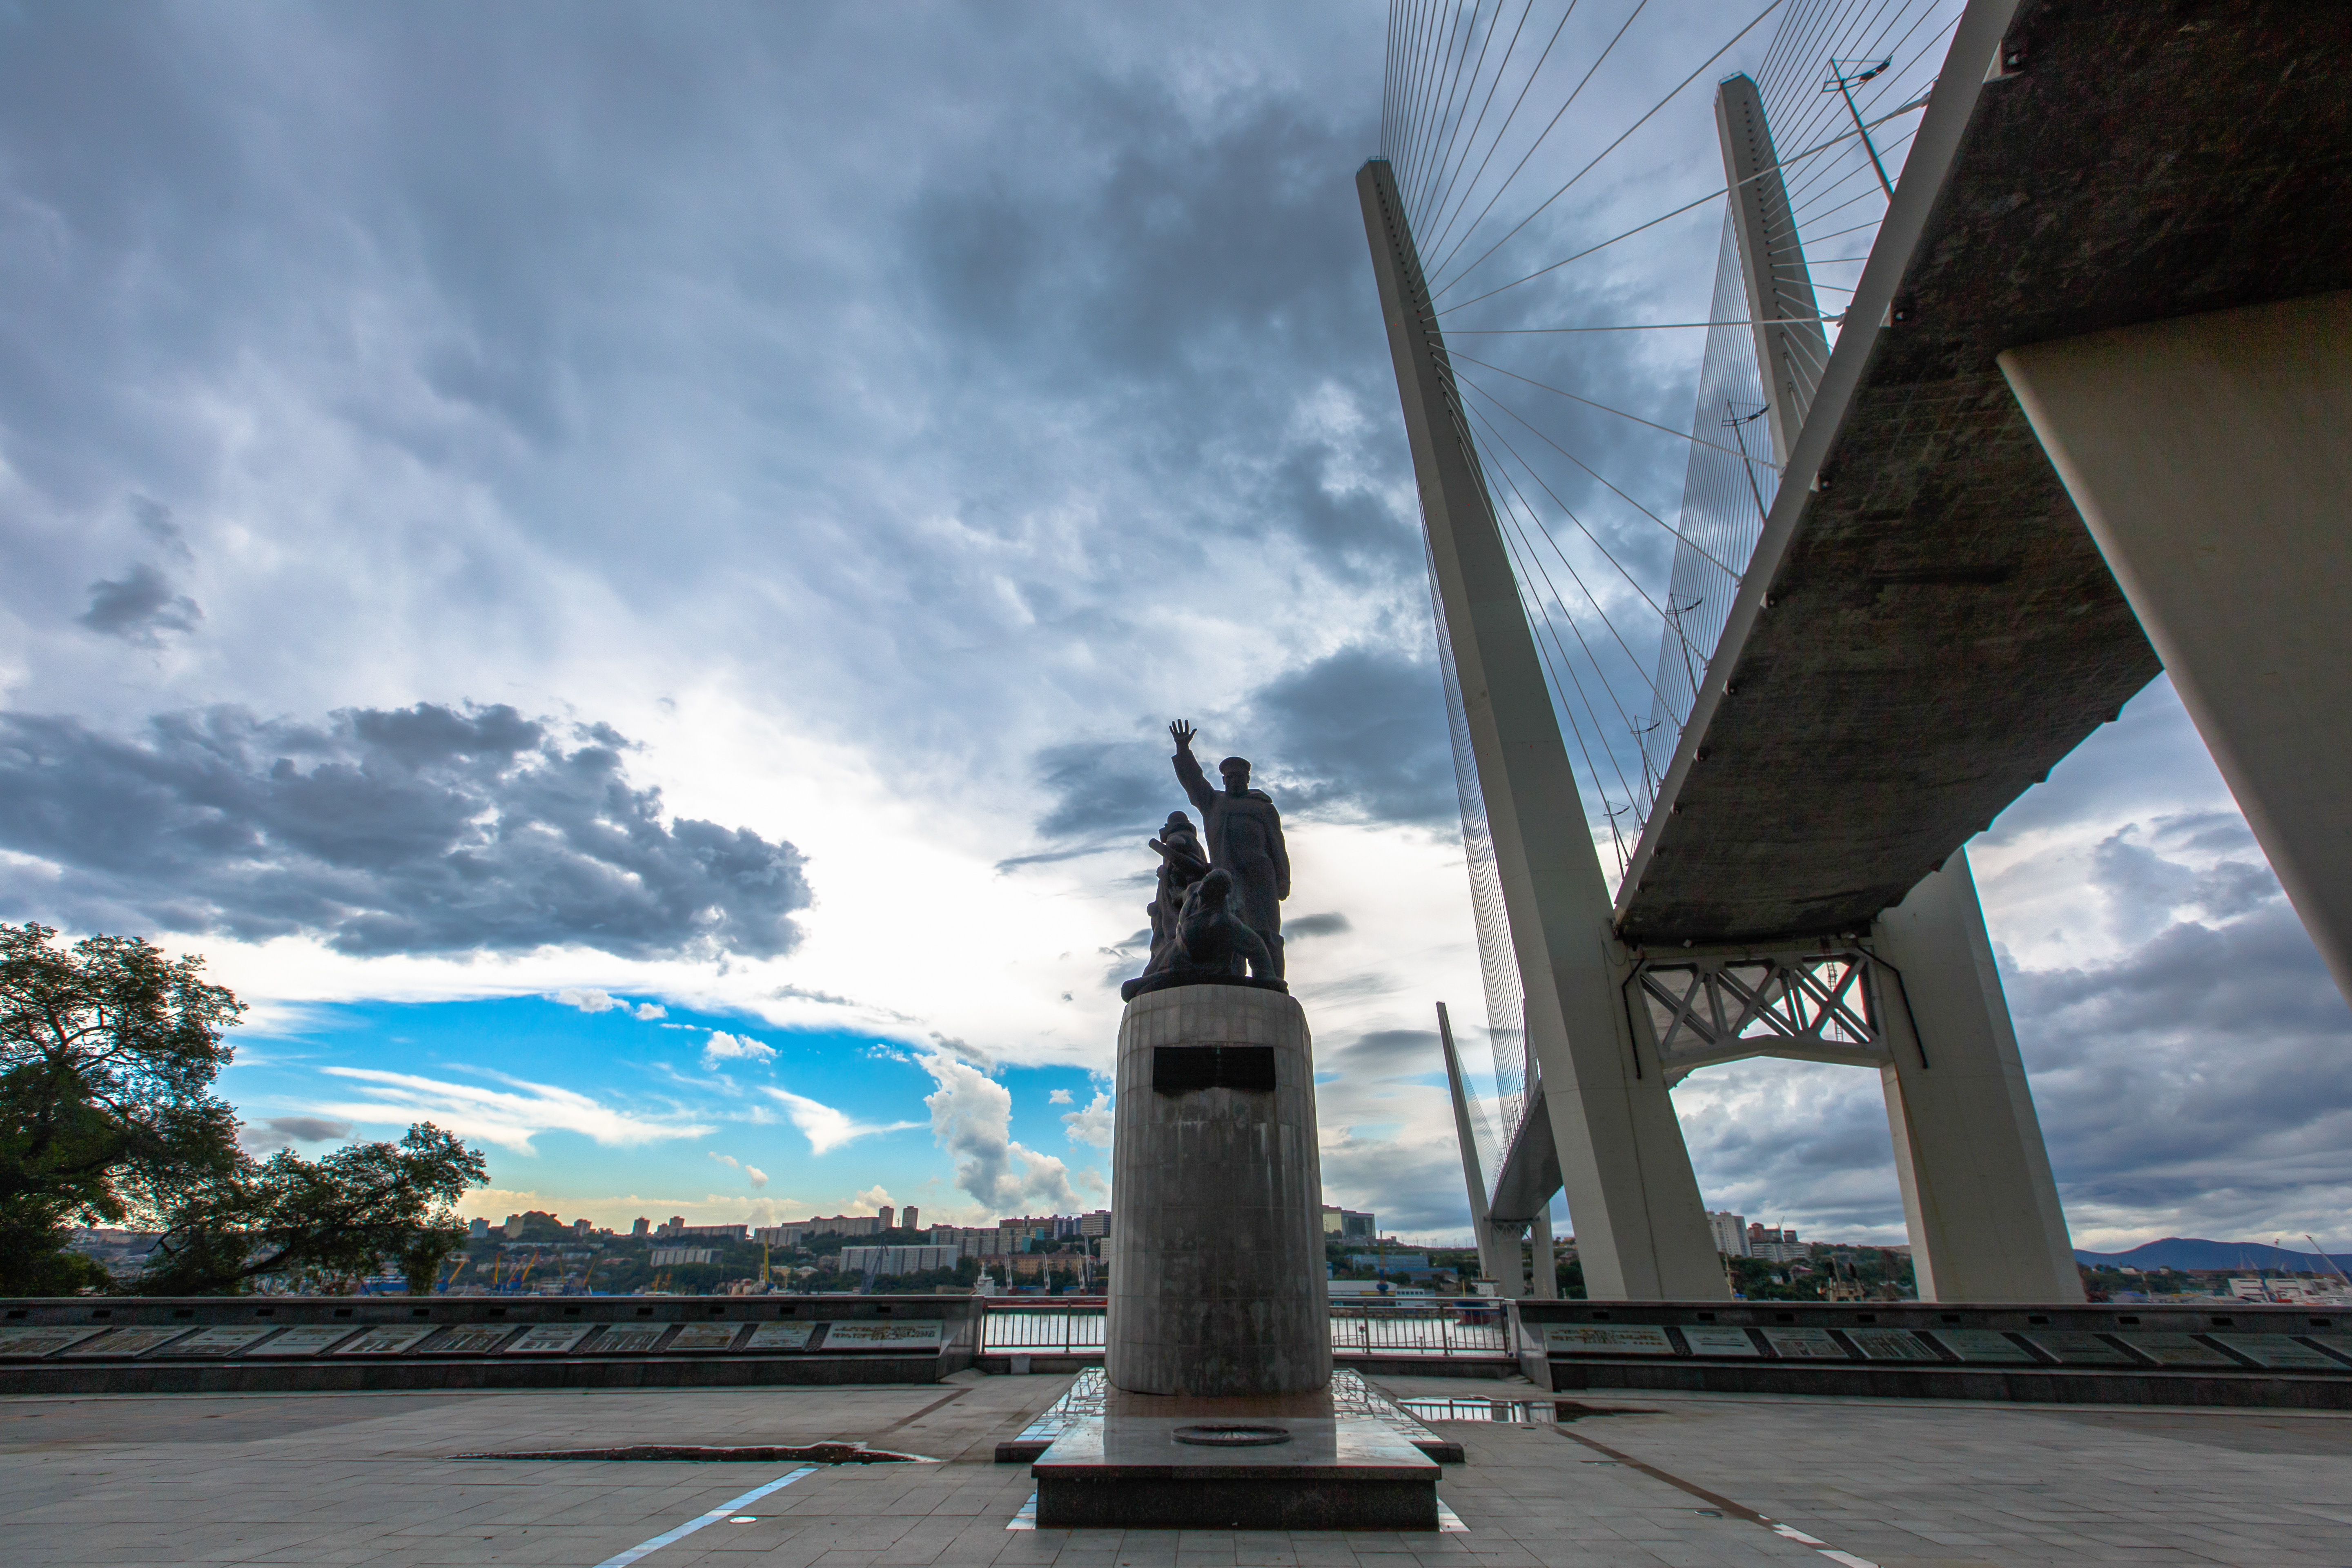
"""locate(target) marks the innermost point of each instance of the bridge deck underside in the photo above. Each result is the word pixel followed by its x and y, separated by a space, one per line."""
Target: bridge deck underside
pixel 1940 629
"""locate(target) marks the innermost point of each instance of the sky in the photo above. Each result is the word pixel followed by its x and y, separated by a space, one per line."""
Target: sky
pixel 620 571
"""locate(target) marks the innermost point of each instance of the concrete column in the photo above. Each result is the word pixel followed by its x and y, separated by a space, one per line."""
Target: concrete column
pixel 1216 1262
pixel 1640 1225
pixel 1978 1194
pixel 1543 1278
pixel 1791 350
pixel 1491 1262
pixel 2212 458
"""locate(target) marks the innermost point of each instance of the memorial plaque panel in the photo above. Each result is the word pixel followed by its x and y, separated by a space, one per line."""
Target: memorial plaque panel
pixel 1806 1344
pixel 2279 1351
pixel 550 1339
pixel 1982 1345
pixel 227 1340
pixel 705 1337
pixel 914 1334
pixel 309 1339
pixel 1606 1339
pixel 2074 1348
pixel 472 1338
pixel 629 1339
pixel 2175 1350
pixel 1705 1339
pixel 34 1340
pixel 390 1338
pixel 780 1337
pixel 128 1342
pixel 1890 1344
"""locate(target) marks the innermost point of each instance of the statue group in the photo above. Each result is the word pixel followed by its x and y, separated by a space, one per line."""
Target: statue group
pixel 1217 907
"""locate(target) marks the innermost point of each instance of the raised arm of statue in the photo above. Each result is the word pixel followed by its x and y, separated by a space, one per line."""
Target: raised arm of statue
pixel 1189 774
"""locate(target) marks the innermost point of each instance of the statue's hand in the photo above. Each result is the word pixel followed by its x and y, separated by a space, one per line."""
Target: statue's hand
pixel 1183 734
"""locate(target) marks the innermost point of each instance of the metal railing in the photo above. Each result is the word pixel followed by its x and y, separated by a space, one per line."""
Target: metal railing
pixel 1474 1326
pixel 1040 1328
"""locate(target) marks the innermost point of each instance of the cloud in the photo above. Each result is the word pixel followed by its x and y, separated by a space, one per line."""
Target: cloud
pixel 873 1197
pixel 282 1132
pixel 1059 1096
pixel 826 1128
pixel 1330 924
pixel 508 1117
pixel 587 1001
pixel 154 520
pixel 972 1119
pixel 647 1012
pixel 140 608
pixel 725 1047
pixel 1386 1054
pixel 1091 1125
pixel 758 1177
pixel 424 829
pixel 1358 734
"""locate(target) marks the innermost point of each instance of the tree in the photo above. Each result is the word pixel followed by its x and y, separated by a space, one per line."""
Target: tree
pixel 321 1222
pixel 108 1054
pixel 109 1050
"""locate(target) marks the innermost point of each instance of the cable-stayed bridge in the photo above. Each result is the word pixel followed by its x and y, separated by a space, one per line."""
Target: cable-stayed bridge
pixel 2026 374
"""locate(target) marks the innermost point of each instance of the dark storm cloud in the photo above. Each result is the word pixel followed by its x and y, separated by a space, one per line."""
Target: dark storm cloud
pixel 155 521
pixel 426 830
pixel 140 608
pixel 1329 924
pixel 2200 1082
pixel 1386 1053
pixel 2208 1070
pixel 1359 733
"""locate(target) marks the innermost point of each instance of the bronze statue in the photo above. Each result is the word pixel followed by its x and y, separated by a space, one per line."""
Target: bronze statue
pixel 1217 942
pixel 1182 862
pixel 1217 906
pixel 1244 834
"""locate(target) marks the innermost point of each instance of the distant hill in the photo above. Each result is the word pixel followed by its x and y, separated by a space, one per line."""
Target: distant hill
pixel 2189 1252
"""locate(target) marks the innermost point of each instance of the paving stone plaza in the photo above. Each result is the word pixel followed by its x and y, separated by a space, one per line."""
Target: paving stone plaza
pixel 1687 1480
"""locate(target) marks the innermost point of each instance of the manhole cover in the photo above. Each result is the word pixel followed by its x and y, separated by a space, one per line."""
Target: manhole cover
pixel 1228 1435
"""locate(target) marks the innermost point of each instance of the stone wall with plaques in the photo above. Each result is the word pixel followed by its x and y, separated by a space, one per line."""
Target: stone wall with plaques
pixel 2224 1352
pixel 100 1344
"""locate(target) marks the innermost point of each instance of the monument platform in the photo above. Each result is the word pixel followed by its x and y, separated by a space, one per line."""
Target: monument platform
pixel 1342 1457
pixel 1233 1472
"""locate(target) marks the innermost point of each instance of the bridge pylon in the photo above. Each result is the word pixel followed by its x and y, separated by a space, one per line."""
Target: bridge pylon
pixel 1641 1229
pixel 2208 457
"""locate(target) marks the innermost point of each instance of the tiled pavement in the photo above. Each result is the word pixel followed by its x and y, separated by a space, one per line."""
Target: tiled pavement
pixel 368 1479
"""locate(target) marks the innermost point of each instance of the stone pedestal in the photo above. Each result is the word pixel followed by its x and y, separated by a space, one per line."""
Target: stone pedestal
pixel 1216 1250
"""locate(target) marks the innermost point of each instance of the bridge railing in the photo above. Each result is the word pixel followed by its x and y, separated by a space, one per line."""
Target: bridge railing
pixel 1068 1326
pixel 1473 1327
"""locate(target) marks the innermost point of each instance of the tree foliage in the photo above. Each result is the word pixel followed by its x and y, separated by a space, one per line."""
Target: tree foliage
pixel 108 1051
pixel 108 1054
pixel 323 1224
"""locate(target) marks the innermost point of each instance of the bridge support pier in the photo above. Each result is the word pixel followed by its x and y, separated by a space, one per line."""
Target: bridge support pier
pixel 1980 1203
pixel 2209 457
pixel 1543 1275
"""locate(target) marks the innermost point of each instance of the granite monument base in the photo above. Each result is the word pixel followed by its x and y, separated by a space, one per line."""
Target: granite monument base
pixel 1293 1461
pixel 1216 1262
pixel 1139 1474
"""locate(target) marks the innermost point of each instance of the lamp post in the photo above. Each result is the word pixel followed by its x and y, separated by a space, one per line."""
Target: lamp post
pixel 1843 85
